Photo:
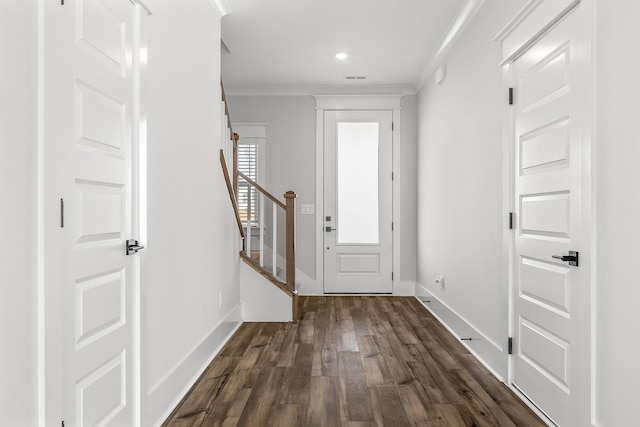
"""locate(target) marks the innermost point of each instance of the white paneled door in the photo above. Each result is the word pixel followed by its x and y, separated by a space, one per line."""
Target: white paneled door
pixel 91 113
pixel 358 202
pixel 550 364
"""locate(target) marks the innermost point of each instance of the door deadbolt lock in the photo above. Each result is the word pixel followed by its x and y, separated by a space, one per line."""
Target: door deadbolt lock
pixel 573 258
pixel 132 246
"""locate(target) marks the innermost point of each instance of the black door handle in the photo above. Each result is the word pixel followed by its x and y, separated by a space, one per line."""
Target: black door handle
pixel 132 246
pixel 573 258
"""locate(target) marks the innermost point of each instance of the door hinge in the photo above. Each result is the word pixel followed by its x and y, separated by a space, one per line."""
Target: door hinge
pixel 391 226
pixel 510 220
pixel 510 96
pixel 61 213
pixel 392 275
pixel 509 345
pixel 392 125
pixel 392 176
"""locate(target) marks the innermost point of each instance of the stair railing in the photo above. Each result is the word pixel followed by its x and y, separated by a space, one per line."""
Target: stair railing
pixel 271 232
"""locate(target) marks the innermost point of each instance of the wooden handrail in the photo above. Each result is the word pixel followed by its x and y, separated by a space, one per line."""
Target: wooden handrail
pixel 236 138
pixel 226 110
pixel 290 259
pixel 232 196
pixel 262 190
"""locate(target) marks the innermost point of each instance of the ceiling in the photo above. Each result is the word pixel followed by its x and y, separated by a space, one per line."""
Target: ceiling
pixel 292 43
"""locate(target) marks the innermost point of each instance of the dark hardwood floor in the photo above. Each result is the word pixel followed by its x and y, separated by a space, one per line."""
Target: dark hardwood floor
pixel 351 362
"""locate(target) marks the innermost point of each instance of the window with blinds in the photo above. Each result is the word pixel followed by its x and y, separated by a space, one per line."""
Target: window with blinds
pixel 247 195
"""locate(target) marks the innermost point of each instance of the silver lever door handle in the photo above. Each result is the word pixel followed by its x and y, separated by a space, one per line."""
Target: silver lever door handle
pixel 133 247
pixel 573 258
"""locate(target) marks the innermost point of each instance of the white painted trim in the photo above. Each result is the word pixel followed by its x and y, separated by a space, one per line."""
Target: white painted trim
pixel 404 288
pixel 508 205
pixel 420 289
pixel 282 90
pixel 592 13
pixel 306 285
pixel 547 12
pixel 516 20
pixel 464 16
pixel 220 7
pixel 136 219
pixel 543 417
pixel 358 102
pixel 40 263
pixel 387 102
pixel 143 5
pixel 396 204
pixel 320 201
pixel 441 310
pixel 547 16
pixel 210 345
pixel 256 131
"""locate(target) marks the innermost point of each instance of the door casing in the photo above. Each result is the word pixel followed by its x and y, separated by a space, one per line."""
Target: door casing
pixel 534 20
pixel 51 263
pixel 359 103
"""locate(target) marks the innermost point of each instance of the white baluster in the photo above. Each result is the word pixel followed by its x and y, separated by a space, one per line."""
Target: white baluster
pixel 261 228
pixel 274 245
pixel 248 237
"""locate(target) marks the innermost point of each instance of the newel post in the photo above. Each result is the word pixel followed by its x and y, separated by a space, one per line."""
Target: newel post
pixel 290 197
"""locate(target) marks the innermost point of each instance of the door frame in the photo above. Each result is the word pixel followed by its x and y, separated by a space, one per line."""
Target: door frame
pixel 358 103
pixel 49 323
pixel 535 19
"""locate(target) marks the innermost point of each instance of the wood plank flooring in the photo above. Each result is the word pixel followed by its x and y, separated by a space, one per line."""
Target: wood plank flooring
pixel 350 362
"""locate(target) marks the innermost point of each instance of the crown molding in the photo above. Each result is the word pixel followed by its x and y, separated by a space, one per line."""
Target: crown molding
pixel 284 90
pixel 465 15
pixel 143 4
pixel 220 7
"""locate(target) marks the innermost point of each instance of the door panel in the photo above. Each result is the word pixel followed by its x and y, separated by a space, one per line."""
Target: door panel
pixel 90 107
pixel 550 299
pixel 357 202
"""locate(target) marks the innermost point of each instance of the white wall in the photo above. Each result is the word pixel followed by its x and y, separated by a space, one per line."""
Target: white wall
pixel 460 214
pixel 617 211
pixel 191 253
pixel 18 181
pixel 291 165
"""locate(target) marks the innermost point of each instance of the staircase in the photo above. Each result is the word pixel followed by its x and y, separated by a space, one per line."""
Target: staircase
pixel 265 223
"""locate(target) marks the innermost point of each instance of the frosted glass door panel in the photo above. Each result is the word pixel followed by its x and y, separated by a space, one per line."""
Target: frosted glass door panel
pixel 357 183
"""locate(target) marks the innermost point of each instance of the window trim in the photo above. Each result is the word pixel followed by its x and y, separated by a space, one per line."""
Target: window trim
pixel 255 133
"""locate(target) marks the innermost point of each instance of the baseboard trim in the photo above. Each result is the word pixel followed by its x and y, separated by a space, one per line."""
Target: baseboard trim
pixel 489 353
pixel 543 417
pixel 404 288
pixel 164 397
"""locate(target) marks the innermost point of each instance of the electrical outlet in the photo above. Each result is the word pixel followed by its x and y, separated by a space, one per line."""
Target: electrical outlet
pixel 220 300
pixel 439 279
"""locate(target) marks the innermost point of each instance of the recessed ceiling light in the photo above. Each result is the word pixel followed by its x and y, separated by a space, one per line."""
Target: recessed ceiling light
pixel 342 56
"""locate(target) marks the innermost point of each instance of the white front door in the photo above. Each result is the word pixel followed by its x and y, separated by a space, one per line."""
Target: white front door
pixel 358 202
pixel 551 352
pixel 91 101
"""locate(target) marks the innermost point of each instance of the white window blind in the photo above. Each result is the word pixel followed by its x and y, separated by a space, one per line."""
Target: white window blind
pixel 247 195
